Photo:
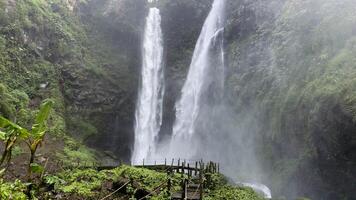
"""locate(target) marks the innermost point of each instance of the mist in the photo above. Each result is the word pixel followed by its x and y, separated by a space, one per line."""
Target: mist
pixel 264 88
pixel 256 126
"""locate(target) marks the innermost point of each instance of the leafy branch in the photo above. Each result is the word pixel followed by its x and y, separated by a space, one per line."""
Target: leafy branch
pixel 10 133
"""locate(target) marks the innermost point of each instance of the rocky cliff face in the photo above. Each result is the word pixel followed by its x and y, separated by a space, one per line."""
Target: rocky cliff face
pixel 289 73
pixel 289 83
pixel 106 98
pixel 85 54
pixel 291 69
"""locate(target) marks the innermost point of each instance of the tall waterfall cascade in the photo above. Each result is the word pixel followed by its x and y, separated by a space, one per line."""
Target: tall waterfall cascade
pixel 150 98
pixel 206 68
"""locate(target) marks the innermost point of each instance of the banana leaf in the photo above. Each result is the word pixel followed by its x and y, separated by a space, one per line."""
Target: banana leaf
pixel 2 135
pixel 7 124
pixel 39 127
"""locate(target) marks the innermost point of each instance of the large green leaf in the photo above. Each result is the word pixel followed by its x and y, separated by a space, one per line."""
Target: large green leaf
pixel 44 111
pixel 5 123
pixel 39 127
pixel 2 135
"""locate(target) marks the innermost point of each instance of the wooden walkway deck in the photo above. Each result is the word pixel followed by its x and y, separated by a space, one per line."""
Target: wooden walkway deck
pixel 193 174
pixel 193 186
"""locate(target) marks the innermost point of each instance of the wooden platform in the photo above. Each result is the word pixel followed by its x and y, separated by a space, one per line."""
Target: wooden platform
pixel 192 172
pixel 191 192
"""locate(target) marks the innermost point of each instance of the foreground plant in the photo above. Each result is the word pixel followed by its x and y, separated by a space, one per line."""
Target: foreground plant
pixel 37 134
pixel 10 133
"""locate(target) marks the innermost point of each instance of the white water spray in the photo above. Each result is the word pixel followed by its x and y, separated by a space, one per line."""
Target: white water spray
pixel 150 99
pixel 259 188
pixel 197 83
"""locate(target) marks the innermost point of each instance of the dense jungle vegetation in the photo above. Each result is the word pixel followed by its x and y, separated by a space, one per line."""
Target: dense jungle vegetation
pixel 69 72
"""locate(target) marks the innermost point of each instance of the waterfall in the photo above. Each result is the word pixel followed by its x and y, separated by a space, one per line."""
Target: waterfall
pixel 206 69
pixel 150 99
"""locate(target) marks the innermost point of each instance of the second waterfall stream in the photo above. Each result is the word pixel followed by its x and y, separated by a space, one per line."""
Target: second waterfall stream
pixel 206 71
pixel 150 98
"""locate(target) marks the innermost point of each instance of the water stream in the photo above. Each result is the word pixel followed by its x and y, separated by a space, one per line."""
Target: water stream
pixel 150 99
pixel 203 72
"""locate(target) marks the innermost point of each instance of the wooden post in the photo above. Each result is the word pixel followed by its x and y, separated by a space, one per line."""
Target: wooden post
pixel 165 162
pixel 143 162
pixel 201 182
pixel 172 162
pixel 169 182
pixel 196 168
pixel 188 171
pixel 185 189
pixel 183 165
pixel 218 168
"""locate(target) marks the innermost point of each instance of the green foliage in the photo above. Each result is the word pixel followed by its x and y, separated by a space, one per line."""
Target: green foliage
pixel 16 151
pixel 9 136
pixel 39 127
pixel 13 191
pixel 215 181
pixel 299 88
pixel 219 189
pixel 12 129
pixel 12 132
pixel 80 154
pixel 87 183
pixel 147 178
pixel 36 168
pixel 233 193
pixel 75 152
pixel 82 182
pixel 78 125
pixel 43 42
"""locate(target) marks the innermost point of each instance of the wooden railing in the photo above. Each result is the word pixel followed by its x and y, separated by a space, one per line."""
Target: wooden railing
pixel 196 171
pixel 195 175
pixel 189 167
